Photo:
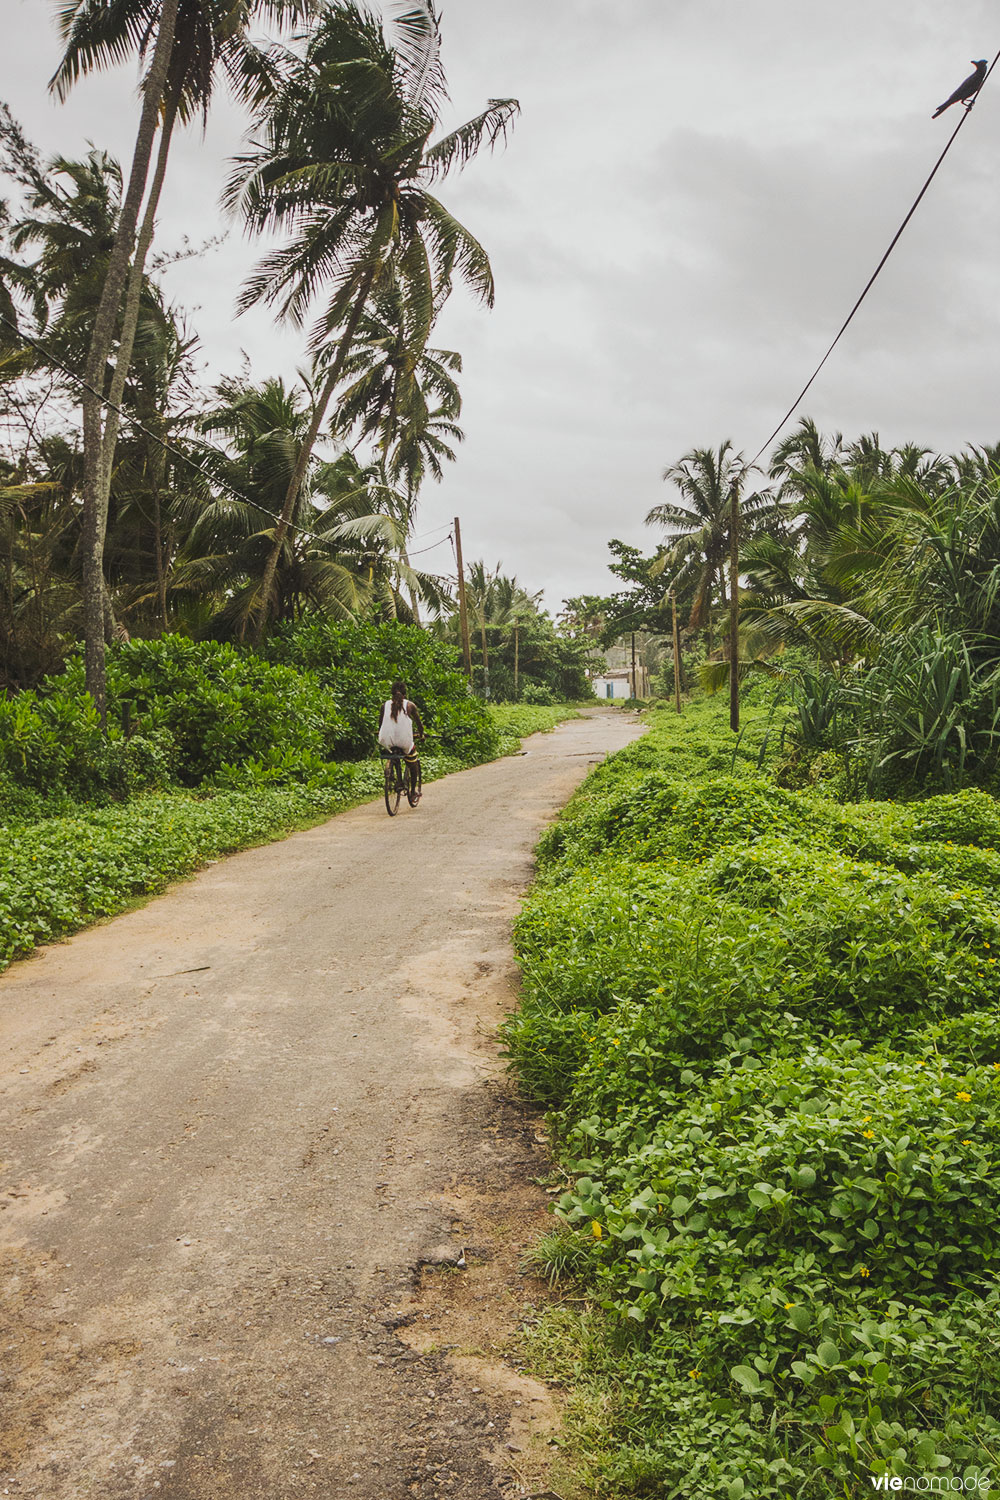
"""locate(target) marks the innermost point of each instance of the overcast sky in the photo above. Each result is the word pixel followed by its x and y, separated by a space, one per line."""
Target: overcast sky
pixel 691 200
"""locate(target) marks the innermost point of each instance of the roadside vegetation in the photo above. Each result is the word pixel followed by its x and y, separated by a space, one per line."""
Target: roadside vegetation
pixel 765 1023
pixel 210 749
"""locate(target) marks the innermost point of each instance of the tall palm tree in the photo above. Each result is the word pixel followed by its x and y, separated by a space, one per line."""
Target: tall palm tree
pixel 698 525
pixel 804 449
pixel 345 165
pixel 184 40
pixel 395 378
pixel 514 607
pixel 480 584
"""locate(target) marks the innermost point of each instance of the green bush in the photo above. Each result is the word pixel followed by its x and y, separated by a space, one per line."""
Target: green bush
pixel 357 664
pixel 537 693
pixel 224 708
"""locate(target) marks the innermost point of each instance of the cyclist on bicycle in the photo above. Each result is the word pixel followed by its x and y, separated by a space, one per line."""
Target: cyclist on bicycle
pixel 400 726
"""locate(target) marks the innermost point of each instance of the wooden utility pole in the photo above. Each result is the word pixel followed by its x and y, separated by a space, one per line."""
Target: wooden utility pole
pixel 635 686
pixel 734 606
pixel 463 614
pixel 677 656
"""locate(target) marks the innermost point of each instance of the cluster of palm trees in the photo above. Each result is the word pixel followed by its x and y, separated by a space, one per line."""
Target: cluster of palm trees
pixel 879 567
pixel 215 511
pixel 838 541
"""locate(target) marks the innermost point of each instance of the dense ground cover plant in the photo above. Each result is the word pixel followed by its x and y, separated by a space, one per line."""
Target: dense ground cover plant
pixel 767 1027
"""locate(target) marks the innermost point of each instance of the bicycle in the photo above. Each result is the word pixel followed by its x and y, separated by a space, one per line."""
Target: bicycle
pixel 400 778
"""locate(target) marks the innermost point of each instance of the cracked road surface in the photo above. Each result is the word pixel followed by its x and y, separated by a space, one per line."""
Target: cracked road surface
pixel 240 1129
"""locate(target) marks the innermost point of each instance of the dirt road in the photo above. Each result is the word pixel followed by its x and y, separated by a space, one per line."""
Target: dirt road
pixel 246 1133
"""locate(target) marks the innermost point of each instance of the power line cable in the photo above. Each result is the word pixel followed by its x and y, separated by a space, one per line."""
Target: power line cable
pixel 432 548
pixel 419 537
pixel 875 274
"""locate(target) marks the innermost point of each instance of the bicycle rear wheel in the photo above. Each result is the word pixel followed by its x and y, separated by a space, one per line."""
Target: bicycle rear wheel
pixel 393 785
pixel 414 785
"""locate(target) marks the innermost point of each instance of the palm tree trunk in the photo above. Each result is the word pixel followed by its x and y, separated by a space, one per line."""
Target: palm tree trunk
pixel 95 518
pixel 486 659
pixel 305 453
pixel 133 299
pixel 161 571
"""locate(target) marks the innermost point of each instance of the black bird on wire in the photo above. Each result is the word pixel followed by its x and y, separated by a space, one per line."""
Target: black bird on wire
pixel 967 91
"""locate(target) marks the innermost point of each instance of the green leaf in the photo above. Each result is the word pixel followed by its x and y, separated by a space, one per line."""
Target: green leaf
pixel 828 1354
pixel 747 1378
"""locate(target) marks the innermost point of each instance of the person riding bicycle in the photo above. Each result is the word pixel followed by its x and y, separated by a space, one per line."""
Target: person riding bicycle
pixel 400 726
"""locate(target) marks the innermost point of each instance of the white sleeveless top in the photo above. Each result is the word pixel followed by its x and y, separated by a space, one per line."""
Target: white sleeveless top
pixel 396 734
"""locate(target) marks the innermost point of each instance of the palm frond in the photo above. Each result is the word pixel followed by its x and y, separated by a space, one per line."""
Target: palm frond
pixel 461 145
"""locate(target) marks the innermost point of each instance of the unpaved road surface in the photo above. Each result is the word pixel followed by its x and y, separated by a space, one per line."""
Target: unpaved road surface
pixel 246 1133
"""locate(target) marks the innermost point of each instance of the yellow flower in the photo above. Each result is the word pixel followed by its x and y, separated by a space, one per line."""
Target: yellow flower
pixel 918 1065
pixel 966 1143
pixel 695 1374
pixel 596 1229
pixel 789 1305
pixel 869 1135
pixel 965 1098
pixel 615 1042
pixel 864 1270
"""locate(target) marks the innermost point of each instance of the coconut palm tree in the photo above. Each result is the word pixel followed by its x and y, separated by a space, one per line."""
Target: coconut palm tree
pixel 514 607
pixel 185 41
pixel 344 162
pixel 395 378
pixel 698 525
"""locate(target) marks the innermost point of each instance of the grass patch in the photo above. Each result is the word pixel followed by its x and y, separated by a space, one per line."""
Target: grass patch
pixel 766 1025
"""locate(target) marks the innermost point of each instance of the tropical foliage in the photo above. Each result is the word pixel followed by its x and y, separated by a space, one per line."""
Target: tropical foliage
pixel 766 1025
pixel 223 513
pixel 869 587
pixel 518 652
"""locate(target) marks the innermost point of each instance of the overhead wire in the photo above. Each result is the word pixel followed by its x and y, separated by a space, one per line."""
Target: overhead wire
pixel 432 548
pixel 966 111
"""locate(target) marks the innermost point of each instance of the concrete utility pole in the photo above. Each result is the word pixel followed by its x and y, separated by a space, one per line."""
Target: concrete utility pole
pixel 734 606
pixel 463 614
pixel 677 656
pixel 635 685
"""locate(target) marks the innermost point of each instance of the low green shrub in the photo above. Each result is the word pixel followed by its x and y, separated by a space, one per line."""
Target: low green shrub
pixel 537 693
pixel 767 1027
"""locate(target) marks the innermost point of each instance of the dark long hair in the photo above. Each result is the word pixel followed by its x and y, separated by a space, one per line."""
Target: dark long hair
pixel 398 697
